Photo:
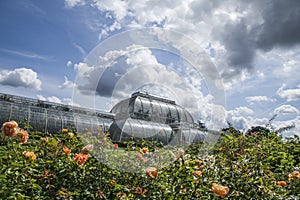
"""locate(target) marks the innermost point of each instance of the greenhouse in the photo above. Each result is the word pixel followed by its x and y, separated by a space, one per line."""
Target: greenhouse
pixel 142 116
pixel 153 118
pixel 51 117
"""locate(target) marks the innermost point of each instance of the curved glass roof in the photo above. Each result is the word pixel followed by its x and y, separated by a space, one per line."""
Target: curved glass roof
pixel 150 108
pixel 124 130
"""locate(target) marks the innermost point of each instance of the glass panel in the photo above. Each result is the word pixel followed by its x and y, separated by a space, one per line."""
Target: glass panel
pixel 37 118
pixel 137 110
pixel 199 135
pixel 149 129
pixel 182 115
pixel 54 122
pixel 156 114
pixel 5 112
pixel 189 117
pixel 137 129
pixel 166 114
pixel 146 108
pixel 174 114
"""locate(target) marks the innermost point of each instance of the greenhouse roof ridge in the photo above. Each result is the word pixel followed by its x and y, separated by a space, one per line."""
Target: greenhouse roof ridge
pixel 151 96
pixel 52 105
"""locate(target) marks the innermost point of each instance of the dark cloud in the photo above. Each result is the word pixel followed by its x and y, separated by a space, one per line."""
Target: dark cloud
pixel 240 47
pixel 277 25
pixel 110 77
pixel 107 83
pixel 281 26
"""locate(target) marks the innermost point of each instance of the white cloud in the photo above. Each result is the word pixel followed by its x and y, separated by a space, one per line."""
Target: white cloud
pixel 69 63
pixel 118 7
pixel 286 109
pixel 73 3
pixel 239 123
pixel 66 84
pixel 54 99
pixel 252 99
pixel 241 118
pixel 20 77
pixel 295 131
pixel 289 94
pixel 242 110
pixel 247 28
pixel 291 66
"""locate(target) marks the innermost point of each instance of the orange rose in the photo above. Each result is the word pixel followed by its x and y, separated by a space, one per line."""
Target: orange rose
pixel 64 130
pixel 30 155
pixel 112 182
pixel 220 190
pixel 10 129
pixel 198 173
pixel 66 150
pixel 87 148
pixel 138 190
pixel 24 136
pixel 294 175
pixel 144 150
pixel 281 183
pixel 116 146
pixel 81 158
pixel 199 164
pixel 151 172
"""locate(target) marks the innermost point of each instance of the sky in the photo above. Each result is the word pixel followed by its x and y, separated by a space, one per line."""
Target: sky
pixel 224 61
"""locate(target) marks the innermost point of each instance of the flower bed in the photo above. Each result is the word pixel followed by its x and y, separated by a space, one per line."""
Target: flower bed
pixel 63 166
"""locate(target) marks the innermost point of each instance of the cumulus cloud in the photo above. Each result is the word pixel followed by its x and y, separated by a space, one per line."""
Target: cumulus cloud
pixel 73 3
pixel 67 84
pixel 253 99
pixel 20 77
pixel 241 118
pixel 240 28
pixel 295 131
pixel 240 111
pixel 286 109
pixel 289 94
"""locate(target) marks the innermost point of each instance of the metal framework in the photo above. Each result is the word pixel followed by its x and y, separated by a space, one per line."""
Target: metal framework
pixel 153 118
pixel 51 117
pixel 142 116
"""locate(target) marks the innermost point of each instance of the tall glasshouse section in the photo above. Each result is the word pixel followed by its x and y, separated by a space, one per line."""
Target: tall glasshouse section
pixel 153 118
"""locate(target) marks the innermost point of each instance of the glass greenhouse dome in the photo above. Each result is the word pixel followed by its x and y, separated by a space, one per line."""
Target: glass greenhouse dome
pixel 153 118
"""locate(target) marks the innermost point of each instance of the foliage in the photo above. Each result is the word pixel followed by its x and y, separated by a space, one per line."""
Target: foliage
pixel 255 165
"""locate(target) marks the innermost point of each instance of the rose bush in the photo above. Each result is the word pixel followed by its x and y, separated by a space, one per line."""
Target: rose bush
pixel 62 166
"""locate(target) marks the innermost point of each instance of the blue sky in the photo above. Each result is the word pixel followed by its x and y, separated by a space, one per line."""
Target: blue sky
pixel 94 53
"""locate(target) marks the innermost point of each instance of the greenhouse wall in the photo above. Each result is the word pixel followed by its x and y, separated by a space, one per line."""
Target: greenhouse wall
pixel 51 117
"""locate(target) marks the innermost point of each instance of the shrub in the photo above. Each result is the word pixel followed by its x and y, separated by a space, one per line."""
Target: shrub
pixel 251 166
